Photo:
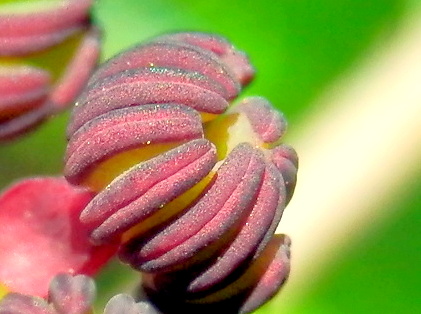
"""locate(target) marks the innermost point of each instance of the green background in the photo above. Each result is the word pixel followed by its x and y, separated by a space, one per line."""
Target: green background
pixel 299 48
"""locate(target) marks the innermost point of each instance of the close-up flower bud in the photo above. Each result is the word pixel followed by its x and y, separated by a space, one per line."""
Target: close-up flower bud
pixel 47 53
pixel 191 186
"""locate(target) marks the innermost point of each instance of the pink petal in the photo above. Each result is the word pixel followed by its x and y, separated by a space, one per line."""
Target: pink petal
pixel 42 235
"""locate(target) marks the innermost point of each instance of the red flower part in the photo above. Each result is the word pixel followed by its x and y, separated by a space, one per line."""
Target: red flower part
pixel 57 41
pixel 199 228
pixel 41 227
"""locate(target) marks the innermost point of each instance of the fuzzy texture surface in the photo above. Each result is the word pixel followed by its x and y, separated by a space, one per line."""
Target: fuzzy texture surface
pixel 191 187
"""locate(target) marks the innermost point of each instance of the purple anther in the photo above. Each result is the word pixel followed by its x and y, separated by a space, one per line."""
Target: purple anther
pixel 286 160
pixel 173 55
pixel 147 86
pixel 267 122
pixel 49 51
pixel 255 233
pixel 210 223
pixel 25 33
pixel 274 274
pixel 128 128
pixel 236 60
pixel 145 189
pixel 77 72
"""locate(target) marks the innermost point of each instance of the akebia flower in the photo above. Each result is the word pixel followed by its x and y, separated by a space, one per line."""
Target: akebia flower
pixel 191 187
pixel 41 236
pixel 47 53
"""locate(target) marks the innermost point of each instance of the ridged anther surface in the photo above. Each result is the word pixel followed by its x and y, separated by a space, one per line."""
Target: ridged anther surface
pixel 216 216
pixel 145 188
pixel 123 129
pixel 197 217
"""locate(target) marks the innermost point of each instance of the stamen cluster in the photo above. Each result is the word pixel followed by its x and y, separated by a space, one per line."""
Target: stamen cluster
pixel 47 53
pixel 192 188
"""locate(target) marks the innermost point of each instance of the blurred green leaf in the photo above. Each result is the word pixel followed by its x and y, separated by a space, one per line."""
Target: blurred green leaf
pixel 379 274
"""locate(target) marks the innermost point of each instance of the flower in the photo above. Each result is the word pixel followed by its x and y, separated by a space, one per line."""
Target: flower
pixel 47 52
pixel 42 235
pixel 191 187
